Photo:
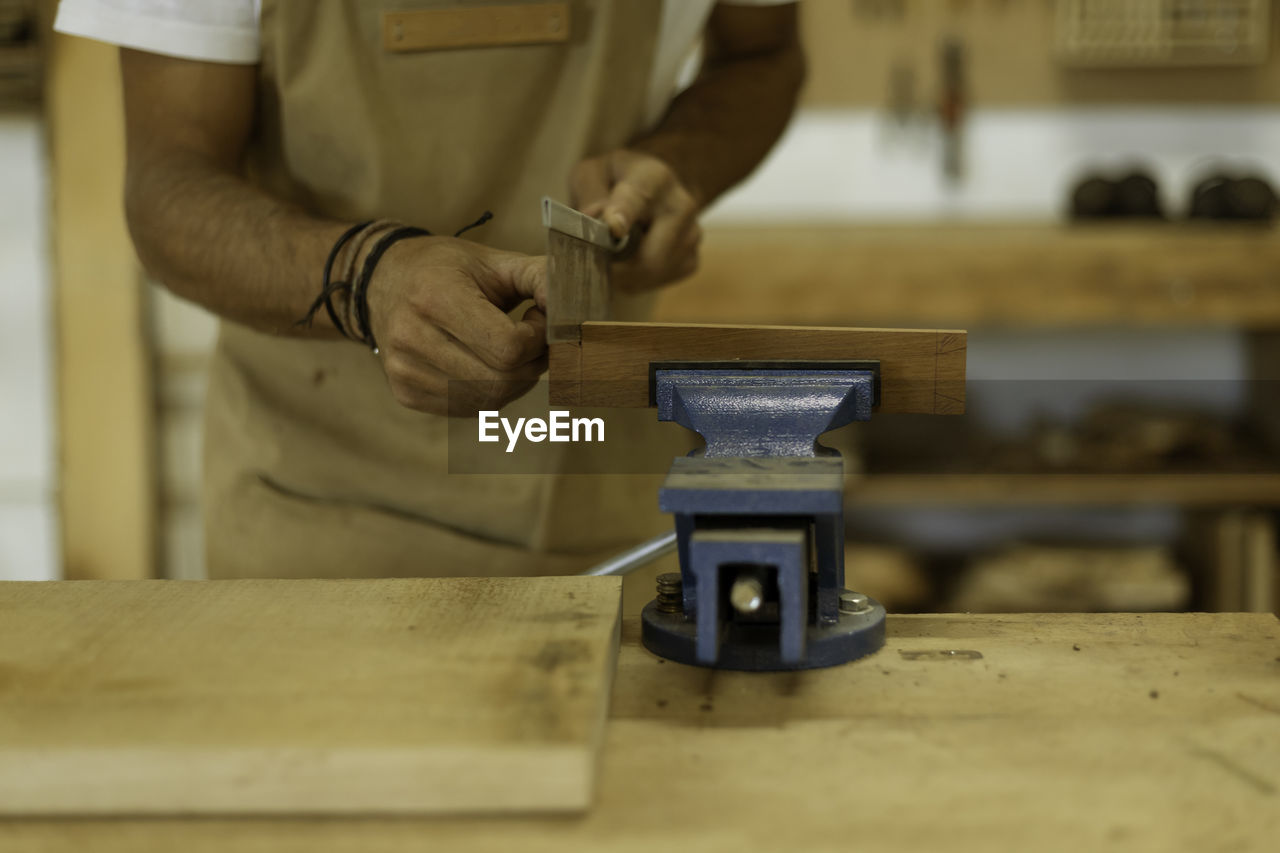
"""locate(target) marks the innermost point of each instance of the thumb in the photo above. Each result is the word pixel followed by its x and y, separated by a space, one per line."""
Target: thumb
pixel 633 197
pixel 524 276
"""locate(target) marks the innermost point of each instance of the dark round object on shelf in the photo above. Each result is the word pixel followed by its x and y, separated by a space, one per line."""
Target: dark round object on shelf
pixel 1211 199
pixel 1093 198
pixel 1251 199
pixel 1138 196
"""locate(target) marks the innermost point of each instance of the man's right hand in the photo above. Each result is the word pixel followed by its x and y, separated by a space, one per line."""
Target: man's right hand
pixel 438 308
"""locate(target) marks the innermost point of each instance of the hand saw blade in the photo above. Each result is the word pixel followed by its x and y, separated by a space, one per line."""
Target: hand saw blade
pixel 579 251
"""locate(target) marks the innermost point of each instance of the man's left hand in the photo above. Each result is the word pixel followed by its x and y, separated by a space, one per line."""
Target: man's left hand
pixel 626 188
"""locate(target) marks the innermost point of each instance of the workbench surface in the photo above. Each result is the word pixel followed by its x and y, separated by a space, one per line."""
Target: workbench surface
pixel 408 696
pixel 966 732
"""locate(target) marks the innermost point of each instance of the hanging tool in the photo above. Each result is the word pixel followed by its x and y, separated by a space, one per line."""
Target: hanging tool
pixel 952 108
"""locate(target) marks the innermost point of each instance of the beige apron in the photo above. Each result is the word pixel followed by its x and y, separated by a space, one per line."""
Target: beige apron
pixel 311 468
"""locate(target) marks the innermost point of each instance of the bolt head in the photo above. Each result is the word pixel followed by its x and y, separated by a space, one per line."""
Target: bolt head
pixel 746 595
pixel 854 602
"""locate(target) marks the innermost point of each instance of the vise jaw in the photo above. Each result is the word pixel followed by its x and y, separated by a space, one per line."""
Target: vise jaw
pixel 759 518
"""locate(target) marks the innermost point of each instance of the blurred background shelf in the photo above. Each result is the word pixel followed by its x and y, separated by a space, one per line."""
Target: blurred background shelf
pixel 991 275
pixel 1208 489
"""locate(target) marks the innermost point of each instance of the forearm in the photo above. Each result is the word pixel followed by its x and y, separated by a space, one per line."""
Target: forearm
pixel 435 306
pixel 719 129
pixel 213 238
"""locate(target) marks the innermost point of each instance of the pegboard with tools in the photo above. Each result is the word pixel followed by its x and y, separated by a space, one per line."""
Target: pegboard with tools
pixel 892 54
pixel 1168 33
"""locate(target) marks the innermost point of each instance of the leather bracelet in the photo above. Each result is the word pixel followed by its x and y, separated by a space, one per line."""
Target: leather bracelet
pixel 328 290
pixel 328 287
pixel 358 286
pixel 360 291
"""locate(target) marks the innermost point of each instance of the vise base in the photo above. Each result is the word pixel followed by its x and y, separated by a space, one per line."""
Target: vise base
pixel 759 520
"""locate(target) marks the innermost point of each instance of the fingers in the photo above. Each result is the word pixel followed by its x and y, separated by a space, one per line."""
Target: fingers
pixel 642 183
pixel 669 249
pixel 440 315
pixel 520 276
pixel 671 245
pixel 497 340
pixel 458 361
pixel 536 319
pixel 630 188
pixel 425 389
pixel 454 304
pixel 442 376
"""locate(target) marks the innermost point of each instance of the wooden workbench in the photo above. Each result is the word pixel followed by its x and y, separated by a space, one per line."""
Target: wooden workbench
pixel 1022 732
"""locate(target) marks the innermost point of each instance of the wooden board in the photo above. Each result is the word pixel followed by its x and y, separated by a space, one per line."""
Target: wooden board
pixel 996 274
pixel 921 371
pixel 287 696
pixel 106 403
pixel 1157 732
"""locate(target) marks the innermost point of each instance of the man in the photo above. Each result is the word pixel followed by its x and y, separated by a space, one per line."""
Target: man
pixel 261 134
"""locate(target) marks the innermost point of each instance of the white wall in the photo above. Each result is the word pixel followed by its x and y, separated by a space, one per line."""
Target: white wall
pixel 185 336
pixel 28 513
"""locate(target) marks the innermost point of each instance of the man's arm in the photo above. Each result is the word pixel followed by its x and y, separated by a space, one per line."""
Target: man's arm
pixel 437 304
pixel 714 134
pixel 197 226
pixel 720 128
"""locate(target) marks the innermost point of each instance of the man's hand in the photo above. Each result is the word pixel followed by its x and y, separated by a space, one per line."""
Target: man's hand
pixel 715 133
pixel 438 307
pixel 628 188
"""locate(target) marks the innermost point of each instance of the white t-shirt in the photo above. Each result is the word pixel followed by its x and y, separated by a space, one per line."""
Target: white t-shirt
pixel 227 31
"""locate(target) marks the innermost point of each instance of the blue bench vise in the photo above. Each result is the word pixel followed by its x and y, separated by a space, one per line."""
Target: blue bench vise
pixel 759 517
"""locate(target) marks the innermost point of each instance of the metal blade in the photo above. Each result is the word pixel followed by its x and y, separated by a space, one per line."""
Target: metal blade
pixel 579 251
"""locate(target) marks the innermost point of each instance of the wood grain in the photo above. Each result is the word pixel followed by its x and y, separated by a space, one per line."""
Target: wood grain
pixel 1147 733
pixel 415 696
pixel 921 371
pixel 989 275
pixel 948 389
pixel 564 373
pixel 106 404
